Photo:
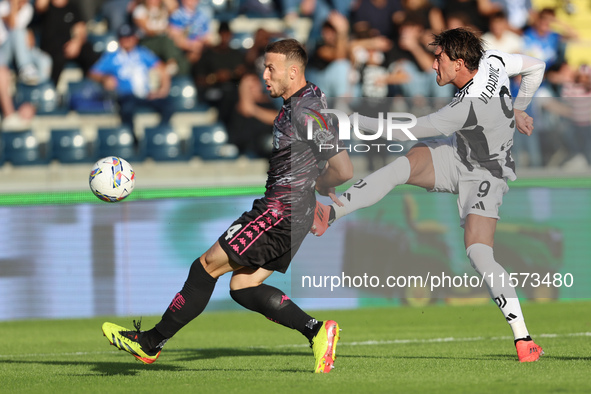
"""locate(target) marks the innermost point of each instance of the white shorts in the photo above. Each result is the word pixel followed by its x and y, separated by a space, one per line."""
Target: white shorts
pixel 478 191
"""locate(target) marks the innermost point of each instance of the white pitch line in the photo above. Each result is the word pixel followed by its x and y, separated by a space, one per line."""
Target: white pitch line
pixel 363 343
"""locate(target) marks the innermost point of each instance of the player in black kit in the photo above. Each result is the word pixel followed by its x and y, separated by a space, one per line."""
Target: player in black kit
pixel 265 239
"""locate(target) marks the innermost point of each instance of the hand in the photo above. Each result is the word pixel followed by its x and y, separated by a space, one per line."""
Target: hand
pixel 339 22
pixel 110 83
pixel 329 192
pixel 247 108
pixel 409 37
pixel 525 123
pixel 72 49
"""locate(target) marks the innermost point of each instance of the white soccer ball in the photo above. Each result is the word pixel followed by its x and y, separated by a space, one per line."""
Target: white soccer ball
pixel 111 179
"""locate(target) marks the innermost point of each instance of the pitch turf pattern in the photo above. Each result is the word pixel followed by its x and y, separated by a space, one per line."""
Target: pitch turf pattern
pixel 432 349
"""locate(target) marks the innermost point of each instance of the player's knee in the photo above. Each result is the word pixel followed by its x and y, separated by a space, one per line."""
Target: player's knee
pixel 422 172
pixel 481 257
pixel 239 282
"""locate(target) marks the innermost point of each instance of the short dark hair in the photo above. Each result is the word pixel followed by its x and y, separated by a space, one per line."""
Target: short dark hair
pixel 547 11
pixel 460 44
pixel 291 48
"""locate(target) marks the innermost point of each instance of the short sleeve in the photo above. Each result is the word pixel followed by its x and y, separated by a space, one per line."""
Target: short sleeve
pixel 317 129
pixel 103 65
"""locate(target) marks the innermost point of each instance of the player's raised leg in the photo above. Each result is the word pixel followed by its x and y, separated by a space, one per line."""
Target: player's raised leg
pixel 247 289
pixel 184 307
pixel 478 238
pixel 416 168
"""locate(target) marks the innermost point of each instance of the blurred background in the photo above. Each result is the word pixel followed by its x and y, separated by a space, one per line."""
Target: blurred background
pixel 174 87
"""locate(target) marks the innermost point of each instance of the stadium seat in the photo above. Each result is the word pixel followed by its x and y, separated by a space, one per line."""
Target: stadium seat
pixel 183 94
pixel 2 154
pixel 103 42
pixel 163 144
pixel 210 142
pixel 225 10
pixel 88 97
pixel 43 96
pixel 116 141
pixel 23 148
pixel 70 146
pixel 242 41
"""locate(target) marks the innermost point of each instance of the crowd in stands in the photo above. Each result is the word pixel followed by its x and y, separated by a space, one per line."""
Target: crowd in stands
pixel 357 48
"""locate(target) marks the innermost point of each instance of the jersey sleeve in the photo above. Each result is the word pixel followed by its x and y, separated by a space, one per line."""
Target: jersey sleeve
pixel 448 119
pixel 317 129
pixel 149 58
pixel 104 65
pixel 513 63
pixel 530 69
pixel 24 16
pixel 175 20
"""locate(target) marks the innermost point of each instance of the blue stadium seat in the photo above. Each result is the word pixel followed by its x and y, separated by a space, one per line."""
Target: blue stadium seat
pixel 242 41
pixel 43 96
pixel 116 141
pixel 2 154
pixel 89 97
pixel 70 146
pixel 183 94
pixel 224 10
pixel 103 42
pixel 23 148
pixel 163 144
pixel 210 142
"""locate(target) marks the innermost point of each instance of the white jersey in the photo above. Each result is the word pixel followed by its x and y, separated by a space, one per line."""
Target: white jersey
pixel 481 118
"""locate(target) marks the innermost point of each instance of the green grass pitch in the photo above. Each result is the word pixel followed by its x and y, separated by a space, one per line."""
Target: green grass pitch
pixel 455 349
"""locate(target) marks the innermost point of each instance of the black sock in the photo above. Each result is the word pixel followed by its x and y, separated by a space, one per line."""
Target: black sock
pixel 187 304
pixel 276 306
pixel 152 340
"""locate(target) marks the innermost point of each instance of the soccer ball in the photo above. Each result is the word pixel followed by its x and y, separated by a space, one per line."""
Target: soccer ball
pixel 111 179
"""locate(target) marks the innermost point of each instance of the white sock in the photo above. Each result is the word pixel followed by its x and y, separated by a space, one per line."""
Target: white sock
pixel 482 259
pixel 374 187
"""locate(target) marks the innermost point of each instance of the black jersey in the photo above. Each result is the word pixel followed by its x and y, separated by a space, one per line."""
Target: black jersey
pixel 295 159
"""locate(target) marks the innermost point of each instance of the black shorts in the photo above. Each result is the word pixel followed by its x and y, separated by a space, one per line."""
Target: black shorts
pixel 263 238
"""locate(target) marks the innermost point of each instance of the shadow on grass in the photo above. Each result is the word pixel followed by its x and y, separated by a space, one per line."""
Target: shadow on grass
pixel 212 353
pixel 102 367
pixel 169 362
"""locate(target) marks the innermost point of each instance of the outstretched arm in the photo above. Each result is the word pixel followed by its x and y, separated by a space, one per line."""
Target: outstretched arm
pixel 339 170
pixel 532 74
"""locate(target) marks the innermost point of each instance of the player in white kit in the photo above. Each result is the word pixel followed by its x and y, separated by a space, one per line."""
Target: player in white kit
pixel 473 159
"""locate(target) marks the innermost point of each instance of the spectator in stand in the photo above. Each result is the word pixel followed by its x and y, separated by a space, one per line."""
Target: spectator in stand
pixel 318 11
pixel 89 9
pixel 461 19
pixel 117 13
pixel 329 66
pixel 577 94
pixel 500 36
pixel 422 11
pixel 519 13
pixel 374 15
pixel 189 28
pixel 254 57
pixel 151 17
pixel 542 42
pixel 11 118
pixel 367 51
pixel 477 12
pixel 411 64
pixel 218 73
pixel 16 15
pixel 63 36
pixel 251 124
pixel 127 73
